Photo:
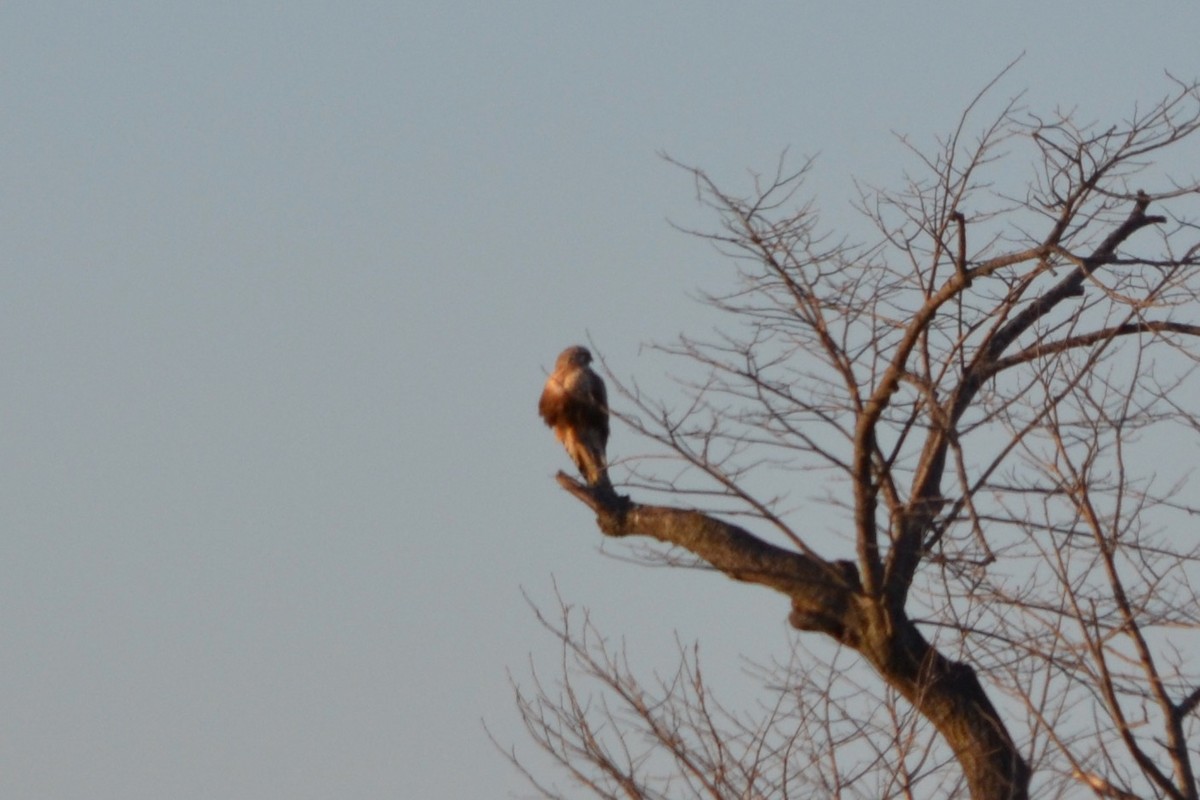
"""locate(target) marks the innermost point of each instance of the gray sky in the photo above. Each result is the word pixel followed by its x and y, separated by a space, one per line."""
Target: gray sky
pixel 280 283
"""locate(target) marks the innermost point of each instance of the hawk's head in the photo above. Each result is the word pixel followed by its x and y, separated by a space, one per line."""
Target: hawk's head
pixel 575 356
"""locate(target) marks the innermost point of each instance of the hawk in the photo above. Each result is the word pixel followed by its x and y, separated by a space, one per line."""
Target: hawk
pixel 575 404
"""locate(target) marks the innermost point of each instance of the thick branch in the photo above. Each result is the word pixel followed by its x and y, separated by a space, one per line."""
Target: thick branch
pixel 820 591
pixel 1189 704
pixel 960 258
pixel 1043 349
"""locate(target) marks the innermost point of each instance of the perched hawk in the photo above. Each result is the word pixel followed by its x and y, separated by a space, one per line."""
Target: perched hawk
pixel 575 404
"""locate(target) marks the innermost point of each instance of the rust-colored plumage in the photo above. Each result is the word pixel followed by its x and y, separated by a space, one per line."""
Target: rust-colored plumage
pixel 575 404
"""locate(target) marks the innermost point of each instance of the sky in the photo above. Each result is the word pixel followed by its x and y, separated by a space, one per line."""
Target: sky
pixel 280 284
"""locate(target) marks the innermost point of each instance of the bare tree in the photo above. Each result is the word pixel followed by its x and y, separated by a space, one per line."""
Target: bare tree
pixel 994 392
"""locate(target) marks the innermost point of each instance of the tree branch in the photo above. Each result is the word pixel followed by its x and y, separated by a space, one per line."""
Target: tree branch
pixel 1041 350
pixel 820 591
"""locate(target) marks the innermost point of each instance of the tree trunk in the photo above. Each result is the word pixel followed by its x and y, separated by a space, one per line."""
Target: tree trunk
pixel 827 597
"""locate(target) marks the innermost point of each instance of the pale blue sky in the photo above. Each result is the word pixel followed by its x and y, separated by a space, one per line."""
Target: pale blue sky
pixel 279 285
